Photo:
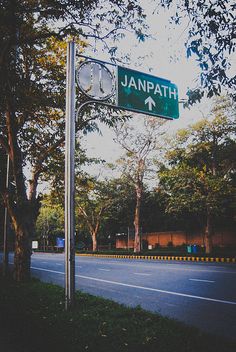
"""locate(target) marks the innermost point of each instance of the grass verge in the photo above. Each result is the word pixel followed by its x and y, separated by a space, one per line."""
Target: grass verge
pixel 32 319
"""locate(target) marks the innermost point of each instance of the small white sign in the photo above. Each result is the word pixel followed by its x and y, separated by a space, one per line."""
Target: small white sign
pixel 35 245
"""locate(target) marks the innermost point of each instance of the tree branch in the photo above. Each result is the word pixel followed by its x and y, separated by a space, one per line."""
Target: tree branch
pixel 38 168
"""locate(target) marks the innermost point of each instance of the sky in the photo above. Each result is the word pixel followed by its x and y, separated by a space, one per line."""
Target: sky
pixel 163 55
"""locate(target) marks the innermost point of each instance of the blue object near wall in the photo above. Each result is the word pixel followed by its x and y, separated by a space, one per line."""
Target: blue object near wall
pixel 60 242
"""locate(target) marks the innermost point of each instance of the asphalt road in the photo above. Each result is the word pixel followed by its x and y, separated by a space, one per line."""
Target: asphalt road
pixel 199 294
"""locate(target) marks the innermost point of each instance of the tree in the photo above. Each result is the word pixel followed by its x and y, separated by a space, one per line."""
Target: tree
pixel 120 213
pixel 211 39
pixel 200 178
pixel 138 159
pixel 32 132
pixel 50 222
pixel 33 89
pixel 92 204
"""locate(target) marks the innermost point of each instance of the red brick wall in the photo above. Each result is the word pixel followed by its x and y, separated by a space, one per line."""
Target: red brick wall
pixel 195 238
pixel 224 238
pixel 121 243
pixel 163 238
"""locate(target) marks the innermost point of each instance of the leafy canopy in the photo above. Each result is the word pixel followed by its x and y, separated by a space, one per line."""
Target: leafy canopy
pixel 201 168
pixel 211 39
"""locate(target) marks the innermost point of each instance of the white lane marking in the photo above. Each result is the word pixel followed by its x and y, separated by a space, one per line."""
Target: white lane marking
pixel 58 264
pixel 156 290
pixel 143 274
pixel 141 287
pixel 79 266
pixel 47 270
pixel 47 256
pixel 201 280
pixel 104 269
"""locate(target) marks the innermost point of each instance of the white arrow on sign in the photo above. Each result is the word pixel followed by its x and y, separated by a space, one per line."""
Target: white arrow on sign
pixel 150 103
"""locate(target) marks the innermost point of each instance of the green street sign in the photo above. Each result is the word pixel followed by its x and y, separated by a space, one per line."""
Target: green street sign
pixel 147 94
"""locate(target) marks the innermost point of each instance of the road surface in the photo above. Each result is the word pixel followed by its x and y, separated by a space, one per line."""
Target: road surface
pixel 199 294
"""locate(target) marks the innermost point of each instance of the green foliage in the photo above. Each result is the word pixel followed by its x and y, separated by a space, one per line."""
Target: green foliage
pixel 50 222
pixel 119 215
pixel 121 212
pixel 154 217
pixel 200 176
pixel 211 40
pixel 191 190
pixel 94 199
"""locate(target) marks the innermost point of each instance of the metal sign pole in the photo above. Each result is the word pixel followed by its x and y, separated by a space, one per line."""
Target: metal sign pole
pixel 69 178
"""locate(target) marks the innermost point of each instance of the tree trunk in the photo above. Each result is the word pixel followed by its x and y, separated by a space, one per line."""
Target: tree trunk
pixel 94 239
pixel 22 254
pixel 208 232
pixel 23 220
pixel 137 240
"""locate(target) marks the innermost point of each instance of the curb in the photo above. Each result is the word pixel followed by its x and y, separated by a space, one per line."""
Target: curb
pixel 161 257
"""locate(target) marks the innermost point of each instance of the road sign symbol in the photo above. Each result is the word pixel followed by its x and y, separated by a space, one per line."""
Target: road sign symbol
pixel 151 103
pixel 95 80
pixel 144 93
